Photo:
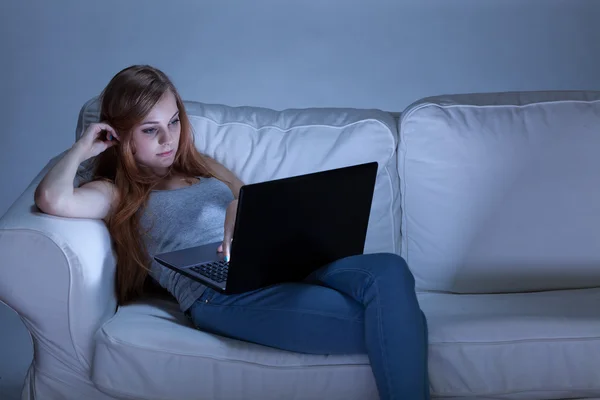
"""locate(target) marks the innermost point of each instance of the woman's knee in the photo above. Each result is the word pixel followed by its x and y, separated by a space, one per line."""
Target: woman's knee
pixel 392 266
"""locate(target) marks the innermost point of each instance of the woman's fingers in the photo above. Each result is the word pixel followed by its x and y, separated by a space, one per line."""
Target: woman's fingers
pixel 230 215
pixel 227 247
pixel 110 132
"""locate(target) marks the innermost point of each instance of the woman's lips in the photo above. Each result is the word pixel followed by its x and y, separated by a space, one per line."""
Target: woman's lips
pixel 165 154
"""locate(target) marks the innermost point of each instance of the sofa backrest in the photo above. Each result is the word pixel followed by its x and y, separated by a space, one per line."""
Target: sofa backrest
pixel 260 144
pixel 501 191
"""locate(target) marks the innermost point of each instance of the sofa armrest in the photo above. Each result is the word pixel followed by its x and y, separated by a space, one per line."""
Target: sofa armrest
pixel 58 275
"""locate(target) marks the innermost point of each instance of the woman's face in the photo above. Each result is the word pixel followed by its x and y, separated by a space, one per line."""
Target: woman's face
pixel 156 138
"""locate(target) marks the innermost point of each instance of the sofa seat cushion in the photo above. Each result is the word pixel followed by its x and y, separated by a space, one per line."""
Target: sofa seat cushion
pixel 543 345
pixel 150 350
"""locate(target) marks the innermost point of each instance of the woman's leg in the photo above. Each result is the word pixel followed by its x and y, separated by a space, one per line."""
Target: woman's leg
pixel 361 304
pixel 395 327
pixel 299 317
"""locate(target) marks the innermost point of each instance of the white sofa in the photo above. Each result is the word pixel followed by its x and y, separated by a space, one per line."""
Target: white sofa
pixel 493 200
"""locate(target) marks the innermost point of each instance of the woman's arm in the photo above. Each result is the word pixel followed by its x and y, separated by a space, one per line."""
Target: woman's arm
pixel 56 195
pixel 234 184
pixel 225 175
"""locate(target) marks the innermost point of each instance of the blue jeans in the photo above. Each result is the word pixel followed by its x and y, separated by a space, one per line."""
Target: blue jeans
pixel 360 304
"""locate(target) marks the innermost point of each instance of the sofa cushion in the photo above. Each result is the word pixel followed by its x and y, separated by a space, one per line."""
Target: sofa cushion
pixel 500 192
pixel 260 144
pixel 514 346
pixel 150 350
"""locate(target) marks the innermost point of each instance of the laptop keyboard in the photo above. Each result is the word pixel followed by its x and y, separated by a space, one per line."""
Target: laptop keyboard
pixel 216 271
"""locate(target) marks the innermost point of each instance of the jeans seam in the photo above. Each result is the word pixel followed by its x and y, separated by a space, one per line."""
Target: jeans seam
pixel 381 338
pixel 380 330
pixel 285 310
pixel 347 269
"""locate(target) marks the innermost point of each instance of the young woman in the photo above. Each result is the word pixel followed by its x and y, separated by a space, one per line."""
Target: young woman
pixel 157 193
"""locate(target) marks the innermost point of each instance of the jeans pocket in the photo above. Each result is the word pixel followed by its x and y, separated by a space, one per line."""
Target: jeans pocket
pixel 207 295
pixel 197 310
pixel 204 298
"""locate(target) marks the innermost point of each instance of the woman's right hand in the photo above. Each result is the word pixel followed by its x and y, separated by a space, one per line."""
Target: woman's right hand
pixel 97 138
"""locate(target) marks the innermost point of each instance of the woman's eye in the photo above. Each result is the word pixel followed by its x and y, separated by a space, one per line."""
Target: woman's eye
pixel 149 130
pixel 175 121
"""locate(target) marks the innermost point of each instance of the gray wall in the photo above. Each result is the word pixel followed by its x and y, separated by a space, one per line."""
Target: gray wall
pixel 279 54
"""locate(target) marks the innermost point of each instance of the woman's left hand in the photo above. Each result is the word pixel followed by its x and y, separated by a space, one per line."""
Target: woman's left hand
pixel 230 215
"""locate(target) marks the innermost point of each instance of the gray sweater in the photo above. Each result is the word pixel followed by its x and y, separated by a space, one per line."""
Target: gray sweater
pixel 180 218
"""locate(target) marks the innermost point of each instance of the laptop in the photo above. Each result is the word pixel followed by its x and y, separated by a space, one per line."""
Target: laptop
pixel 285 229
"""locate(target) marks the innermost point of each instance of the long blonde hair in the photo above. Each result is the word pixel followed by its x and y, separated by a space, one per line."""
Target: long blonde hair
pixel 126 100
